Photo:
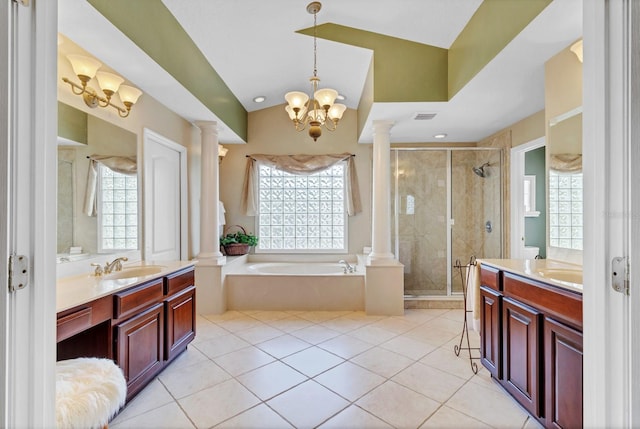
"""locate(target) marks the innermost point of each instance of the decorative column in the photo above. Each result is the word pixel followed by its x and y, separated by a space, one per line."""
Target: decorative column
pixel 381 216
pixel 209 191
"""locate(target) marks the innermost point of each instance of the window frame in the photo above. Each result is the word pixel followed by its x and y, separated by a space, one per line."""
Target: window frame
pixel 345 221
pixel 99 216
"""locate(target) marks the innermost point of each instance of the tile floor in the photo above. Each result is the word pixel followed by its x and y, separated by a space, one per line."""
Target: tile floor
pixel 324 369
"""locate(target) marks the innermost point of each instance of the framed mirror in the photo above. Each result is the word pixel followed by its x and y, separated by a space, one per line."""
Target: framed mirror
pixel 98 193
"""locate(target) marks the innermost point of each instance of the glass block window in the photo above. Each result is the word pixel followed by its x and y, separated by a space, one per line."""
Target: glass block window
pixel 302 213
pixel 117 210
pixel 565 210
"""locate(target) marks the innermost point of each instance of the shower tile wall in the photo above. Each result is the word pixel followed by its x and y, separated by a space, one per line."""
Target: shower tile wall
pixel 422 215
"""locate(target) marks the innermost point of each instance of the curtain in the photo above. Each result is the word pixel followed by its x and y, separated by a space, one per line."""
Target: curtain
pixel 302 165
pixel 566 162
pixel 119 164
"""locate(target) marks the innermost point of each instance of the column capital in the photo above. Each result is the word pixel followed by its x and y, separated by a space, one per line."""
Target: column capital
pixel 211 126
pixel 382 126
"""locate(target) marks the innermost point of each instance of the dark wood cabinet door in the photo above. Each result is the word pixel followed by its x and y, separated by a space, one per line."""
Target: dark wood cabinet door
pixel 491 331
pixel 140 347
pixel 181 321
pixel 563 370
pixel 521 360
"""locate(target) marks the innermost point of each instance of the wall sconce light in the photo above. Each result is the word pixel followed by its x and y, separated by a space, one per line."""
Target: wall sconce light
pixel 222 152
pixel 576 48
pixel 86 68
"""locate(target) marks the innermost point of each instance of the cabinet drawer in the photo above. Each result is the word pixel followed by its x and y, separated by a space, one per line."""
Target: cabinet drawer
pixel 551 300
pixel 73 323
pixel 176 282
pixel 133 300
pixel 490 277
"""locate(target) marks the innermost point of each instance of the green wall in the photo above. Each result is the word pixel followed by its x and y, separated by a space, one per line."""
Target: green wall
pixel 535 228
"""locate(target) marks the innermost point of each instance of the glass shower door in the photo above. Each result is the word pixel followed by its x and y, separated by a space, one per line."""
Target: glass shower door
pixel 476 207
pixel 419 218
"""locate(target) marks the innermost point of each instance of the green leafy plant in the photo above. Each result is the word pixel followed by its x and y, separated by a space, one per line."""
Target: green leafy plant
pixel 239 237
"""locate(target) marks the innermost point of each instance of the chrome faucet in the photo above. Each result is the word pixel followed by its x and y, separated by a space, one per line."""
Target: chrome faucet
pixel 347 267
pixel 116 264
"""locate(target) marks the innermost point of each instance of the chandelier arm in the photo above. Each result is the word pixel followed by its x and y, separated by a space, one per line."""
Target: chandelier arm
pixel 331 124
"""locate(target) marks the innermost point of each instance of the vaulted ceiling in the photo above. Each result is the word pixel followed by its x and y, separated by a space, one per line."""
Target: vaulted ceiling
pixel 478 66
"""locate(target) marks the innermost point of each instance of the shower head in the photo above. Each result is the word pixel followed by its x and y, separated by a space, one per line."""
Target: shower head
pixel 480 170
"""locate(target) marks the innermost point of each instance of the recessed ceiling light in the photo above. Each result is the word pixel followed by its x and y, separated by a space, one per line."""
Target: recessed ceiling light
pixel 439 136
pixel 259 99
pixel 341 97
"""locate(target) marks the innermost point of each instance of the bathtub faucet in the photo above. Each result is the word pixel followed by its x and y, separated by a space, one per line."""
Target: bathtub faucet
pixel 347 267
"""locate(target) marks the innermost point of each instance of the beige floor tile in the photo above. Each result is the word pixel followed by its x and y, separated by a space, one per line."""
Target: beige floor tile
pixel 446 360
pixel 219 346
pixel 283 346
pixel 189 357
pixel 413 349
pixel 398 406
pixel 243 360
pixel 260 417
pixel 431 334
pixel 218 403
pixel 308 404
pixel 271 380
pixel 290 324
pixel 346 323
pixel 208 330
pixel 433 383
pixel 533 424
pixel 421 316
pixel 457 315
pixel 169 416
pixel 491 407
pixel 153 396
pixel 354 417
pixel 349 380
pixel 372 334
pixel 181 382
pixel 395 325
pixel 444 324
pixel 382 362
pixel 321 316
pixel 345 346
pixel 270 316
pixel 312 361
pixel 240 324
pixel 259 334
pixel 315 334
pixel 448 418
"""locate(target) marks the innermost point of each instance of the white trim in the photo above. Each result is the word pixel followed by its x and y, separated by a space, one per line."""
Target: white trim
pixel 184 219
pixel 517 198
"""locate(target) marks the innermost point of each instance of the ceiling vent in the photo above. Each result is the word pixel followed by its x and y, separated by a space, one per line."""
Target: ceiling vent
pixel 423 116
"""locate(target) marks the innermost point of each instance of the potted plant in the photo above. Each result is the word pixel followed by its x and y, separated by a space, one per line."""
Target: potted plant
pixel 238 243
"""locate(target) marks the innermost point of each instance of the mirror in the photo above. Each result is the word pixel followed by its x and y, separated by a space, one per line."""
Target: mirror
pixel 79 235
pixel 565 195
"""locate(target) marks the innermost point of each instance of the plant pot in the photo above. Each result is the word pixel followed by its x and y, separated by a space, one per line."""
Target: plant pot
pixel 236 249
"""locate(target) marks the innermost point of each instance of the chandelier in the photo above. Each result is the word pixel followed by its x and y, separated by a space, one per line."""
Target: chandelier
pixel 320 110
pixel 110 84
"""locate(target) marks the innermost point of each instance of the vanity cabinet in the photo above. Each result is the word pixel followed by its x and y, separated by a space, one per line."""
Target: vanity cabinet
pixel 521 348
pixel 531 343
pixel 142 328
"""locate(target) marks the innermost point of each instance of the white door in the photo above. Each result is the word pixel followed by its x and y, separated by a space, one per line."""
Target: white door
pixel 164 187
pixel 28 64
pixel 612 197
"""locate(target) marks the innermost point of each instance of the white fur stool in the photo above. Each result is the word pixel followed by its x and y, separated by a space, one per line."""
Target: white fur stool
pixel 89 391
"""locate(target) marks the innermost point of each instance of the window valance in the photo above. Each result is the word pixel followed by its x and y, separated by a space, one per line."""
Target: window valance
pixel 119 164
pixel 566 162
pixel 301 165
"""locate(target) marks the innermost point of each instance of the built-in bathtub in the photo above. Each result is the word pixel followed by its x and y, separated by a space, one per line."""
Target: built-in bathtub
pixel 303 285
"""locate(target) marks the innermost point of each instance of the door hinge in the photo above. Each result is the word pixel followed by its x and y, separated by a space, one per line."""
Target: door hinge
pixel 620 274
pixel 18 272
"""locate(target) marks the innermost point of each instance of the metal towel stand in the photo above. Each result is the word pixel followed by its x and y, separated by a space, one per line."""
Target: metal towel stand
pixel 465 328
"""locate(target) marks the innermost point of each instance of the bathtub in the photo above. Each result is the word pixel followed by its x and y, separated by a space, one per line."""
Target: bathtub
pixel 310 286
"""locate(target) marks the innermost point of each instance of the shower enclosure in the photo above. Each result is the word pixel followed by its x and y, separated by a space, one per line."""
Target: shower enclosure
pixel 446 205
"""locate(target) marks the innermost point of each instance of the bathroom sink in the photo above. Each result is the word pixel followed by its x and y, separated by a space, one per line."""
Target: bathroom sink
pixel 563 275
pixel 131 272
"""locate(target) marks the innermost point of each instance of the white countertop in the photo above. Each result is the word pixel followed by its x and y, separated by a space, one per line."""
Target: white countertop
pixel 531 268
pixel 83 288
